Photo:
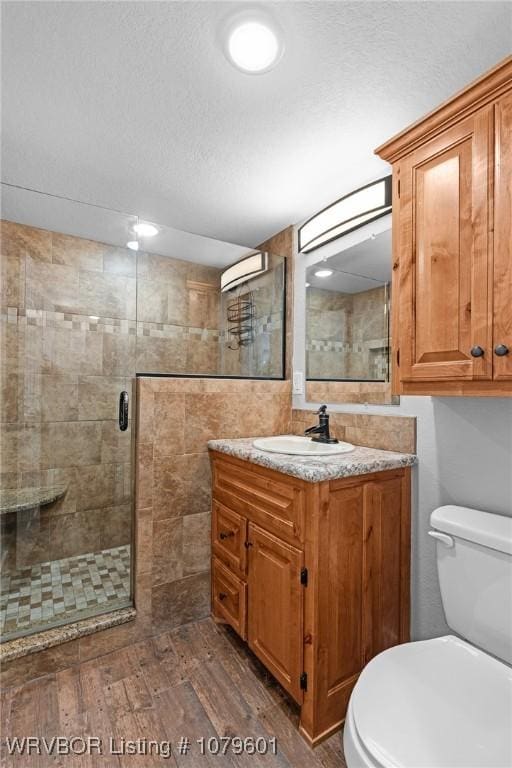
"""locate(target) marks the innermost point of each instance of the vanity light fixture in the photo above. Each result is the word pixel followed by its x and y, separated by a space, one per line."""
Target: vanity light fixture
pixel 323 273
pixel 133 245
pixel 145 229
pixel 350 212
pixel 252 41
pixel 243 270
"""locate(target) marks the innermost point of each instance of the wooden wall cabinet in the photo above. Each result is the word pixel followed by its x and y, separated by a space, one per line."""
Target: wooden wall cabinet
pixel 452 244
pixel 315 576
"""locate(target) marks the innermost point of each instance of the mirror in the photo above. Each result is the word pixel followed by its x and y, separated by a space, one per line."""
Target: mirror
pixel 347 323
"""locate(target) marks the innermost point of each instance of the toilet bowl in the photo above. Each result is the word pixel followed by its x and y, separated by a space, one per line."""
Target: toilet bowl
pixel 446 702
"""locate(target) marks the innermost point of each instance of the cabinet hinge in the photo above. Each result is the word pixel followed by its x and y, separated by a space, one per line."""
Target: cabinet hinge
pixel 304 577
pixel 304 681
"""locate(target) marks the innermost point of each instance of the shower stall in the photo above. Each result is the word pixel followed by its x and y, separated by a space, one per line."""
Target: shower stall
pixel 82 316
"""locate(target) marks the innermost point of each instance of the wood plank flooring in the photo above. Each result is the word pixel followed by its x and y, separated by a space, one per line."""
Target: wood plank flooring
pixel 199 681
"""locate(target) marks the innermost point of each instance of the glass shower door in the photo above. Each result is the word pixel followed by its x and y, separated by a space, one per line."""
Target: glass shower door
pixel 68 331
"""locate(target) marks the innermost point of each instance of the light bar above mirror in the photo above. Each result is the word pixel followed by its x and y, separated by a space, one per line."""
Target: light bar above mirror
pixel 350 212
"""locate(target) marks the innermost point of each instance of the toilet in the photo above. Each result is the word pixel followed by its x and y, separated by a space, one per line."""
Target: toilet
pixel 446 702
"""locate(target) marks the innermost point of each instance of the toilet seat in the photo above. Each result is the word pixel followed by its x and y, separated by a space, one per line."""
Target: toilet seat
pixel 438 703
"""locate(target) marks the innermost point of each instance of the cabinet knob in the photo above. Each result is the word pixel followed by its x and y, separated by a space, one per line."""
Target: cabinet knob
pixel 477 352
pixel 223 535
pixel 222 595
pixel 501 350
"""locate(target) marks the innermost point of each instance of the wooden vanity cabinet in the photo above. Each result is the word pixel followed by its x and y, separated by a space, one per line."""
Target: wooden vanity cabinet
pixel 452 244
pixel 276 605
pixel 320 584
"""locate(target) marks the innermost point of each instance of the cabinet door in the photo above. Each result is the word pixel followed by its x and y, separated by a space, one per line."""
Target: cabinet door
pixel 445 255
pixel 502 340
pixel 386 565
pixel 275 607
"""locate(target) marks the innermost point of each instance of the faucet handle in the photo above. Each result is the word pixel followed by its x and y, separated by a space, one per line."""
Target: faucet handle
pixel 322 409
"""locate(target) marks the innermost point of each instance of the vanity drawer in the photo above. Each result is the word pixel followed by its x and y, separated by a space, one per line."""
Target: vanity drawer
pixel 229 534
pixel 274 501
pixel 229 598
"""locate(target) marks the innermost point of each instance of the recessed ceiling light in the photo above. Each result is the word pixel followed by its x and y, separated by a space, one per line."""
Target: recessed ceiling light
pixel 145 230
pixel 323 273
pixel 132 245
pixel 253 42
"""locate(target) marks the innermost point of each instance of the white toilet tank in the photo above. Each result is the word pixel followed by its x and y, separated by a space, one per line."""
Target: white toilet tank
pixel 474 562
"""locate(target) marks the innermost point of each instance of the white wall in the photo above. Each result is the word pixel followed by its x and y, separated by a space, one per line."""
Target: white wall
pixel 464 457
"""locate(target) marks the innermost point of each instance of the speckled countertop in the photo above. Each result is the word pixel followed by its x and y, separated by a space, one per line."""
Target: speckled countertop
pixel 360 461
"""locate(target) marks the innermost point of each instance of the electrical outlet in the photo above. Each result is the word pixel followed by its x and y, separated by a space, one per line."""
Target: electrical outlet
pixel 298 383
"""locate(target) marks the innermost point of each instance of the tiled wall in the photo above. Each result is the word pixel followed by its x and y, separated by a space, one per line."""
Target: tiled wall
pixel 178 316
pixel 68 340
pixel 346 334
pixel 377 393
pixel 176 419
pixel 369 335
pixel 70 343
pixel 283 244
pixel 390 433
pixel 264 355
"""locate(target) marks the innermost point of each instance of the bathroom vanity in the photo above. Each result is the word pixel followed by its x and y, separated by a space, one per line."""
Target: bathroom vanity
pixel 311 560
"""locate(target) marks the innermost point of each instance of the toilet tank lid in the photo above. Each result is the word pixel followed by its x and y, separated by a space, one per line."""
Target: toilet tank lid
pixel 485 528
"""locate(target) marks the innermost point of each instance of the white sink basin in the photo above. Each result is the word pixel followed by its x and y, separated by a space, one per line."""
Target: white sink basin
pixel 300 446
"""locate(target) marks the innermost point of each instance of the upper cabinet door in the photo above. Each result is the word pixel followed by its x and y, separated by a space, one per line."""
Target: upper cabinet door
pixel 445 306
pixel 502 341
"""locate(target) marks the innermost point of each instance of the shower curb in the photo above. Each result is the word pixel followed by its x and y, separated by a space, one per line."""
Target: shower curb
pixel 23 646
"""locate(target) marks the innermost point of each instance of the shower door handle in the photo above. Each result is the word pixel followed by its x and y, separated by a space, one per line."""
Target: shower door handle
pixel 123 411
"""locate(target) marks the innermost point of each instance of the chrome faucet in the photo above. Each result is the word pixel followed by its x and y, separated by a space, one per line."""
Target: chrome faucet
pixel 322 428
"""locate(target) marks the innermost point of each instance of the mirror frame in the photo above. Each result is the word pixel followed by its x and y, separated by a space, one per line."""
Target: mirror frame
pixel 315 391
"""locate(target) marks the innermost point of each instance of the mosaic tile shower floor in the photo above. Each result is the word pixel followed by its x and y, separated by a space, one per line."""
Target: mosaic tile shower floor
pixel 61 591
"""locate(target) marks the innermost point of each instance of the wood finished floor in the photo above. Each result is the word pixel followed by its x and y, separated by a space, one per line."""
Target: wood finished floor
pixel 198 681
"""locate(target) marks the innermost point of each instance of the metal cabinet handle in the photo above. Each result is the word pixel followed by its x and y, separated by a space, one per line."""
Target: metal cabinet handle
pixel 226 535
pixel 123 411
pixel 501 350
pixel 477 352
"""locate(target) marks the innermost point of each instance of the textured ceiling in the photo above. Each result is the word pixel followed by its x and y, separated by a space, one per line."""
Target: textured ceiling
pixel 133 106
